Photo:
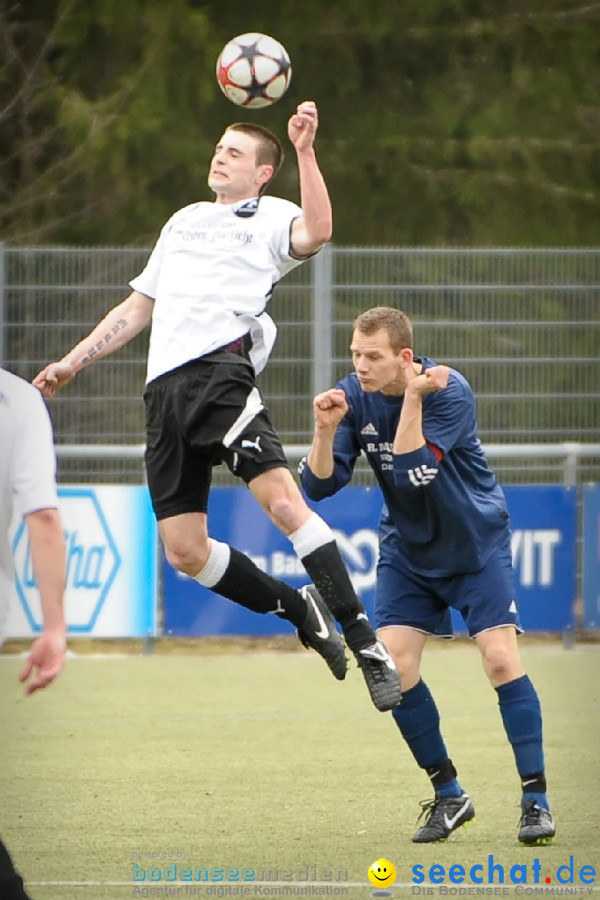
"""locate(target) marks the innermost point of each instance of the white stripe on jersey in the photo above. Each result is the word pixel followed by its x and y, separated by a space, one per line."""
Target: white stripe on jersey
pixel 251 409
pixel 422 475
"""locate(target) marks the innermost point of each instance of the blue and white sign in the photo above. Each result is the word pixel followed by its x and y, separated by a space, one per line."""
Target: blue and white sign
pixel 591 556
pixel 110 536
pixel 543 544
pixel 544 550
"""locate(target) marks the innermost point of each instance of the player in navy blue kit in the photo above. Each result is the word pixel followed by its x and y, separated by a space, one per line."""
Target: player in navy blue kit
pixel 444 542
pixel 205 289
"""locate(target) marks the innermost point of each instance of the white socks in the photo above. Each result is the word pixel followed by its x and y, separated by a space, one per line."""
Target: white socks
pixel 216 565
pixel 310 536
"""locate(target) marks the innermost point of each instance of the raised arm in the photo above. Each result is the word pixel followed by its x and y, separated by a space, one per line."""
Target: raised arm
pixel 122 323
pixel 314 227
pixel 409 433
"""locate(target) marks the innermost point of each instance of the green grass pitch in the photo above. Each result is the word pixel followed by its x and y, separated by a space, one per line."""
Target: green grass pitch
pixel 260 760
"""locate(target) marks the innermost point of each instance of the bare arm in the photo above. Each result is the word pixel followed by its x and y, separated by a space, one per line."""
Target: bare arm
pixel 314 227
pixel 409 433
pixel 122 323
pixel 47 546
pixel 329 409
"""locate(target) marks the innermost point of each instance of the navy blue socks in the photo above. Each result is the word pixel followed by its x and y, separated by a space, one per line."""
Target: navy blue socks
pixel 418 719
pixel 522 717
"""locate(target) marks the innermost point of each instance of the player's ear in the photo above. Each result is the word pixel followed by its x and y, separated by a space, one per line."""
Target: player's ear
pixel 264 174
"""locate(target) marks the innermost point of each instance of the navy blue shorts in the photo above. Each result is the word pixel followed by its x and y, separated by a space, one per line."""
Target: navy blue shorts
pixel 485 599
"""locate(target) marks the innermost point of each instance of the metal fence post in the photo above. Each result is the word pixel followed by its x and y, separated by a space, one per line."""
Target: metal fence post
pixel 322 327
pixel 570 465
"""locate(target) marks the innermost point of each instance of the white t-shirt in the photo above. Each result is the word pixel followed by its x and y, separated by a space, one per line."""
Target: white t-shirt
pixel 27 468
pixel 211 275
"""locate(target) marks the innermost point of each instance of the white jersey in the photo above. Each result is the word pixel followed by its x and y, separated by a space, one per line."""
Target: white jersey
pixel 211 275
pixel 27 468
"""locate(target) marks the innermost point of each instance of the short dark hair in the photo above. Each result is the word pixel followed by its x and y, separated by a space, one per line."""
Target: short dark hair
pixel 394 321
pixel 269 149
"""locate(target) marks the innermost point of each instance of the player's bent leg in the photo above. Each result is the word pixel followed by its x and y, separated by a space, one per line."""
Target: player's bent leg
pixel 179 478
pixel 315 545
pixel 418 721
pixel 522 718
pixel 185 537
pixel 500 654
pixel 405 646
pixel 280 497
pixel 233 575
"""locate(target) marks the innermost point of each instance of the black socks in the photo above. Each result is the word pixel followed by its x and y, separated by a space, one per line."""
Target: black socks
pixel 244 583
pixel 329 574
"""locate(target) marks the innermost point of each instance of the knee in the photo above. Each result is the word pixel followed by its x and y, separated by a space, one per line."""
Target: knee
pixel 408 669
pixel 185 556
pixel 408 666
pixel 405 646
pixel 499 665
pixel 286 511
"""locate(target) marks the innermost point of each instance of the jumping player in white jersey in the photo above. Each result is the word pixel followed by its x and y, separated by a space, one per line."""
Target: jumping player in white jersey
pixel 205 289
pixel 444 542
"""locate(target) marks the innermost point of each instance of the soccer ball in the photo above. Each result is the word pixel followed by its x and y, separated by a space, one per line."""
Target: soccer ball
pixel 253 70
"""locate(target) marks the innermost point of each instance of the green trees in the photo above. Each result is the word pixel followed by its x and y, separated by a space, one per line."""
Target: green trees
pixel 442 122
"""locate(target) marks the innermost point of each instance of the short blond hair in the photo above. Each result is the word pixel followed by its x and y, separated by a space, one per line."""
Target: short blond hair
pixel 394 321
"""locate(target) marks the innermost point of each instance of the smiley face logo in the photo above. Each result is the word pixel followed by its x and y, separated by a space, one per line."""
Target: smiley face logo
pixel 382 873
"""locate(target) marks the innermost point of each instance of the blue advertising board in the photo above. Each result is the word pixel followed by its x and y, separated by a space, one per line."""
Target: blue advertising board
pixel 543 543
pixel 544 550
pixel 591 556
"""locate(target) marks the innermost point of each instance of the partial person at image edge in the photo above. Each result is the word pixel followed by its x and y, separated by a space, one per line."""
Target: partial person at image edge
pixel 28 488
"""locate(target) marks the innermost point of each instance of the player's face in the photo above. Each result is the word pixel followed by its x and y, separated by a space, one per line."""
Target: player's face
pixel 233 174
pixel 376 365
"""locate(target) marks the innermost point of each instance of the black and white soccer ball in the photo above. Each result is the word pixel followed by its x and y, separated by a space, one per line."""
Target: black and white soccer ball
pixel 253 70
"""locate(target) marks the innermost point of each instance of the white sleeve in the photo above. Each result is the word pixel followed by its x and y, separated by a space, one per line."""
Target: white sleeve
pixel 34 460
pixel 283 215
pixel 147 281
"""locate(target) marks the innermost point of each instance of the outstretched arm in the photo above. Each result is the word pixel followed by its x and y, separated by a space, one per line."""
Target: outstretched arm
pixel 314 227
pixel 122 323
pixel 47 547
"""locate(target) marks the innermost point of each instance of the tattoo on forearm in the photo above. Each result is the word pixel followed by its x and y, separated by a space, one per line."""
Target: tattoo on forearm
pixel 104 341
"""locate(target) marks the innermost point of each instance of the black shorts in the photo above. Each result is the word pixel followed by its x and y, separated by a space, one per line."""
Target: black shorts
pixel 205 412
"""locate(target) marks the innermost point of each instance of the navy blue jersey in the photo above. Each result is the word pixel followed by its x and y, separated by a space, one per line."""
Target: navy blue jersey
pixel 444 510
